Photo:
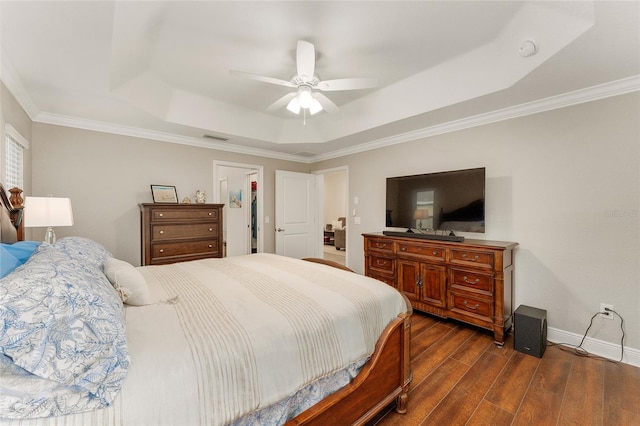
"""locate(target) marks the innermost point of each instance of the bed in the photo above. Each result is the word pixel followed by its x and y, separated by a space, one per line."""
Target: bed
pixel 256 339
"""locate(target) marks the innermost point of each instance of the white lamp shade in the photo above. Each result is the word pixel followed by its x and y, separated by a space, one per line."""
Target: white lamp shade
pixel 294 106
pixel 47 211
pixel 315 107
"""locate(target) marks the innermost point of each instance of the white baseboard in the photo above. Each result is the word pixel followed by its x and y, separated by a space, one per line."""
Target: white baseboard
pixel 596 347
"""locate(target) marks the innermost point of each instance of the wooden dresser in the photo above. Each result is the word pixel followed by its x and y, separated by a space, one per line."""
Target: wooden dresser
pixel 470 281
pixel 179 232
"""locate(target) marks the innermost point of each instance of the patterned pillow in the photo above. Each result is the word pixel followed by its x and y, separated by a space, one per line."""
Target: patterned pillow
pixel 84 249
pixel 61 319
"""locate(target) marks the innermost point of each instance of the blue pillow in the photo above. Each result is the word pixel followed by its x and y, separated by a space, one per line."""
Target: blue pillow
pixel 22 250
pixel 8 262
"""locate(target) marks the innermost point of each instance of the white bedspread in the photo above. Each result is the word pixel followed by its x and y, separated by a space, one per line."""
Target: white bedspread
pixel 245 333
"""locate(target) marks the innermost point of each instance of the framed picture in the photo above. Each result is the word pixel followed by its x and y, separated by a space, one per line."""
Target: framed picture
pixel 164 194
pixel 235 198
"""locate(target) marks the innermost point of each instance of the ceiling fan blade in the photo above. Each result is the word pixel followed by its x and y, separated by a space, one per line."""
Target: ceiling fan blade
pixel 263 78
pixel 326 103
pixel 347 84
pixel 305 60
pixel 283 101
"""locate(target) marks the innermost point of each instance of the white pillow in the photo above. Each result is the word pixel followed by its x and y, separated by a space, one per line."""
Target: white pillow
pixel 128 281
pixel 336 224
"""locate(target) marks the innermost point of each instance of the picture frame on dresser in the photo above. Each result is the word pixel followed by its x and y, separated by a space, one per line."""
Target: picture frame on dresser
pixel 164 194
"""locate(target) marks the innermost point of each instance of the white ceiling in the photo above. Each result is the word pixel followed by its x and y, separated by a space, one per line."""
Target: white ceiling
pixel 161 69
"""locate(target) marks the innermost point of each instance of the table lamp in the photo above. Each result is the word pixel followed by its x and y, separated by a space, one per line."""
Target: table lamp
pixel 47 212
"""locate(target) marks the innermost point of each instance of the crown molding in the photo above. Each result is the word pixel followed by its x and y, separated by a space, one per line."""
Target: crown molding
pixel 13 83
pixel 590 94
pixel 104 127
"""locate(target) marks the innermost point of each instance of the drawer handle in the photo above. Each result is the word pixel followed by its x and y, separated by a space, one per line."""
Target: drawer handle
pixel 210 229
pixel 161 214
pixel 464 256
pixel 381 262
pixel 477 280
pixel 403 249
pixel 162 232
pixel 476 306
pixel 210 214
pixel 161 250
pixel 210 246
pixel 381 245
pixel 435 253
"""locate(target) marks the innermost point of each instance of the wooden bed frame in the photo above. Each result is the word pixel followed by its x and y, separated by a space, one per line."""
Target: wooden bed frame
pixel 383 379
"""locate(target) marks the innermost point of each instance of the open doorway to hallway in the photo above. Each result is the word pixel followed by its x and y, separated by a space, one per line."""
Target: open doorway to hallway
pixel 334 214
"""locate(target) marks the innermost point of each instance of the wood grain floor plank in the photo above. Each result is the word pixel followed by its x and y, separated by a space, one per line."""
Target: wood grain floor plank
pixel 427 338
pixel 621 393
pixel 471 350
pixel 459 404
pixel 489 414
pixel 541 404
pixel 559 389
pixel 509 389
pixel 425 363
pixel 424 398
pixel 583 398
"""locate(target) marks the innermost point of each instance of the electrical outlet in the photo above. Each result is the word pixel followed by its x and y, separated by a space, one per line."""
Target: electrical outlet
pixel 603 311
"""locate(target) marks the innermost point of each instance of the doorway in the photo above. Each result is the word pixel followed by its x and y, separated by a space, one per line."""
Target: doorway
pixel 239 187
pixel 334 213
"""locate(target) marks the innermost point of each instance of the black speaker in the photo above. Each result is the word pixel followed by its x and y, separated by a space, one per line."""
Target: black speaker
pixel 530 330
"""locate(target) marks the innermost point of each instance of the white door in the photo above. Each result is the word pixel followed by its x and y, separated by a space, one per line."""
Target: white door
pixel 296 225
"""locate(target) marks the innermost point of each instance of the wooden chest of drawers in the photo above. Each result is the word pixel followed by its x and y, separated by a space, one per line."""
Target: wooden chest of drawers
pixel 469 281
pixel 179 232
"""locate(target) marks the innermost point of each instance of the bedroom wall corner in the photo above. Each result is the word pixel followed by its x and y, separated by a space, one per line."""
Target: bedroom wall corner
pixel 564 184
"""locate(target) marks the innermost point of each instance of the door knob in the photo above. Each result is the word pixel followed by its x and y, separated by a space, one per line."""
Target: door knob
pixel 280 230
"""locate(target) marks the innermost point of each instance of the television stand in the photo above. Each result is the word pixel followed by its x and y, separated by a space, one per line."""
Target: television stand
pixel 470 281
pixel 437 237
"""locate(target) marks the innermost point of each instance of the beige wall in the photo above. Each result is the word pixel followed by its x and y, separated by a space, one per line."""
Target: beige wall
pixel 107 176
pixel 564 184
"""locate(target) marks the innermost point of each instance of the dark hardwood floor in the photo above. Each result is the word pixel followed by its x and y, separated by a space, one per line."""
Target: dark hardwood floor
pixel 460 377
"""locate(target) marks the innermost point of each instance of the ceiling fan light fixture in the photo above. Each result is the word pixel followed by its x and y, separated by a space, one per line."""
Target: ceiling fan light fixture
pixel 305 98
pixel 294 105
pixel 315 107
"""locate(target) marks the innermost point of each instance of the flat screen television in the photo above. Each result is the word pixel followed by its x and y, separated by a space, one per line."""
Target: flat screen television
pixel 444 201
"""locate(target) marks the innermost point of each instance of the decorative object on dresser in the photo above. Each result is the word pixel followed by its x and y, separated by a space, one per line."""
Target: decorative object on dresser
pixel 201 197
pixel 179 232
pixel 164 194
pixel 470 281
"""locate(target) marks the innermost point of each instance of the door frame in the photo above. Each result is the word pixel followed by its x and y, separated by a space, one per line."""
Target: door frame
pixel 320 204
pixel 260 192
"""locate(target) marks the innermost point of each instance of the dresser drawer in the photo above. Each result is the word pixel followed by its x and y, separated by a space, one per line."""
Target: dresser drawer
pixel 387 279
pixel 192 248
pixel 160 214
pixel 472 305
pixel 379 245
pixel 161 232
pixel 380 264
pixel 472 281
pixel 425 251
pixel 481 259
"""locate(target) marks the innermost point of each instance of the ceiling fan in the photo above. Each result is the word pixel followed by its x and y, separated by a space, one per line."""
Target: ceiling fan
pixel 308 85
